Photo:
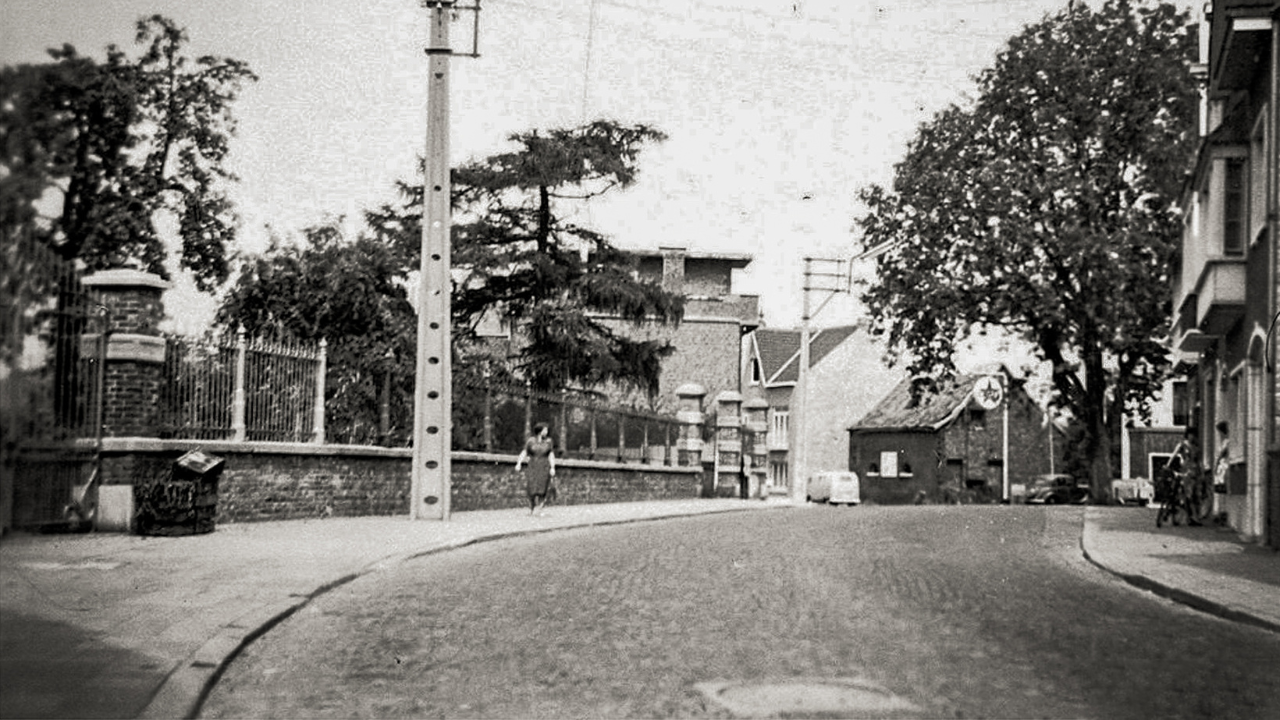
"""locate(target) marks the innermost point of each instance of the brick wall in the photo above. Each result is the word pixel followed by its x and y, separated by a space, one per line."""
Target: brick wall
pixel 133 310
pixel 131 393
pixel 277 481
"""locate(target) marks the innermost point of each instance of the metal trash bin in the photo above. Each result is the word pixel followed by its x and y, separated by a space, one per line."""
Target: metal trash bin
pixel 184 501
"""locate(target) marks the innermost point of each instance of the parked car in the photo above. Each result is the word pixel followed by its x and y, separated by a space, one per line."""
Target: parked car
pixel 837 488
pixel 1138 491
pixel 1057 489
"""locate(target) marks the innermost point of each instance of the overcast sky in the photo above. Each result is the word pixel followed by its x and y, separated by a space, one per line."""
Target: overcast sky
pixel 778 111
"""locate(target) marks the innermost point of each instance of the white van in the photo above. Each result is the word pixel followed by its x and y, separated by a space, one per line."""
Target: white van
pixel 837 488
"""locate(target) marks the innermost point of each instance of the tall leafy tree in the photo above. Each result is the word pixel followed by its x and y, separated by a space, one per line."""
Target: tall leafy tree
pixel 111 146
pixel 351 294
pixel 1046 208
pixel 517 256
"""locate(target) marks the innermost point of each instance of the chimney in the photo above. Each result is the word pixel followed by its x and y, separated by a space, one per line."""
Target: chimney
pixel 672 269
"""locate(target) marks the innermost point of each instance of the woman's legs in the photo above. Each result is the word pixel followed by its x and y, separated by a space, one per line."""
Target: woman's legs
pixel 536 502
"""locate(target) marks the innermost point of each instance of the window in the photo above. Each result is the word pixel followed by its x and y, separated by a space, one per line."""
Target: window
pixel 977 419
pixel 1181 410
pixel 755 371
pixel 1233 208
pixel 778 473
pixel 779 429
pixel 780 424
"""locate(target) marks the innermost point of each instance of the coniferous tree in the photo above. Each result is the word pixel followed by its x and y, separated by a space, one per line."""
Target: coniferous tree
pixel 556 283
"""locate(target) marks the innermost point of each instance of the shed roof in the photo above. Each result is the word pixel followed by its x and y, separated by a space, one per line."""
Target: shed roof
pixel 934 411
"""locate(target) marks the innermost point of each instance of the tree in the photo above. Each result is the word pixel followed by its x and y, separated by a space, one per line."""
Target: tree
pixel 350 294
pixel 118 143
pixel 1046 208
pixel 556 281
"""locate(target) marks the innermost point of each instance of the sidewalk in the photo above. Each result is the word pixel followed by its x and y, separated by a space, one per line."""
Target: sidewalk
pixel 1206 567
pixel 125 626
pixel 114 625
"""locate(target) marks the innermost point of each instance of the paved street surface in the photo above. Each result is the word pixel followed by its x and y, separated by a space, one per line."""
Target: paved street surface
pixel 882 611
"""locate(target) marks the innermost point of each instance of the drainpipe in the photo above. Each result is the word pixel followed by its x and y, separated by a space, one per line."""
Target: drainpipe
pixel 1273 235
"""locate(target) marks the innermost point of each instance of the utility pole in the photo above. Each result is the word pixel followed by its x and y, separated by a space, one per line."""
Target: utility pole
pixel 820 275
pixel 429 493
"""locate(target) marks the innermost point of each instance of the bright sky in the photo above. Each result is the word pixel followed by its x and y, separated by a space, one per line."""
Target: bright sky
pixel 778 111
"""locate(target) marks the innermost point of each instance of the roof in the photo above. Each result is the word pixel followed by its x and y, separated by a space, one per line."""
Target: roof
pixel 935 410
pixel 779 350
pixel 737 260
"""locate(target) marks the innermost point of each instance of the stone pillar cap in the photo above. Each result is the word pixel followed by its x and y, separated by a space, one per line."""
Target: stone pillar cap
pixel 691 390
pixel 756 404
pixel 126 277
pixel 729 396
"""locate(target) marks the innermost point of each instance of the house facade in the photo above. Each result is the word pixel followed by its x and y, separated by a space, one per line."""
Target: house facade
pixel 1147 444
pixel 1226 276
pixel 969 440
pixel 845 379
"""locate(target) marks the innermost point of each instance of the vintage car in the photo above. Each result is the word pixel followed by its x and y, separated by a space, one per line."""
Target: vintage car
pixel 1057 490
pixel 836 488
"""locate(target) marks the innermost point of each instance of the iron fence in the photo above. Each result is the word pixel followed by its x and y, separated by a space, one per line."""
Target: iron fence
pixel 497 418
pixel 51 361
pixel 241 389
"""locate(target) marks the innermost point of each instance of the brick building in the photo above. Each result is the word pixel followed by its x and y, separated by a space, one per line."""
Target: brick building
pixel 950 444
pixel 845 379
pixel 708 342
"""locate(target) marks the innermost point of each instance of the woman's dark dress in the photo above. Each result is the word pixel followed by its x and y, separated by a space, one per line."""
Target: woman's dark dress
pixel 539 475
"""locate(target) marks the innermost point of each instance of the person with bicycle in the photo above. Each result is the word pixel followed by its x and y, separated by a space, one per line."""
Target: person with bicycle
pixel 1183 487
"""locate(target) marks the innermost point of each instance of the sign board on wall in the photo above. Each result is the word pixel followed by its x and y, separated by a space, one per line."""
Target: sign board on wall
pixel 888 464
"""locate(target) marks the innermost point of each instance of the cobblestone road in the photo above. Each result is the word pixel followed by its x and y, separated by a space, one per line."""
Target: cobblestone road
pixel 962 611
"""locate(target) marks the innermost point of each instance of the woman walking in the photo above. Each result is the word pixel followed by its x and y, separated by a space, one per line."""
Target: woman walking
pixel 542 465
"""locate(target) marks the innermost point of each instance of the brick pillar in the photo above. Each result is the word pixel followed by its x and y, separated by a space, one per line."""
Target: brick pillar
pixel 135 350
pixel 689 415
pixel 132 376
pixel 728 482
pixel 755 427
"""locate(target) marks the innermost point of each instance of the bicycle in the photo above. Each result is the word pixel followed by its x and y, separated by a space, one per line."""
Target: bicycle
pixel 1185 498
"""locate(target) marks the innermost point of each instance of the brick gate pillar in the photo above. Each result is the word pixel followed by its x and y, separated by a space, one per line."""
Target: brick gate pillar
pixel 755 427
pixel 135 350
pixel 132 375
pixel 689 415
pixel 729 477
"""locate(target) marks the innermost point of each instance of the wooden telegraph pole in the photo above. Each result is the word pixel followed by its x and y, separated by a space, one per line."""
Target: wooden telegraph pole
pixel 429 495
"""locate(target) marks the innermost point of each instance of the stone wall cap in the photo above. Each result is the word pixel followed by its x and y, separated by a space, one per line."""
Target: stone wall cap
pixel 691 389
pixel 126 277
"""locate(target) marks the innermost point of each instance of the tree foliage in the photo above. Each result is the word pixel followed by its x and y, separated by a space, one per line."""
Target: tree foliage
pixel 513 256
pixel 350 294
pixel 1046 208
pixel 112 145
pixel 517 256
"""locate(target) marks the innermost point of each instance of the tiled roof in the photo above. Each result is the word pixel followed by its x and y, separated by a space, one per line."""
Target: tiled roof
pixel 895 411
pixel 780 350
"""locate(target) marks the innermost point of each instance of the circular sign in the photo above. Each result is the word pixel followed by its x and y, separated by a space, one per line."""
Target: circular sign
pixel 988 392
